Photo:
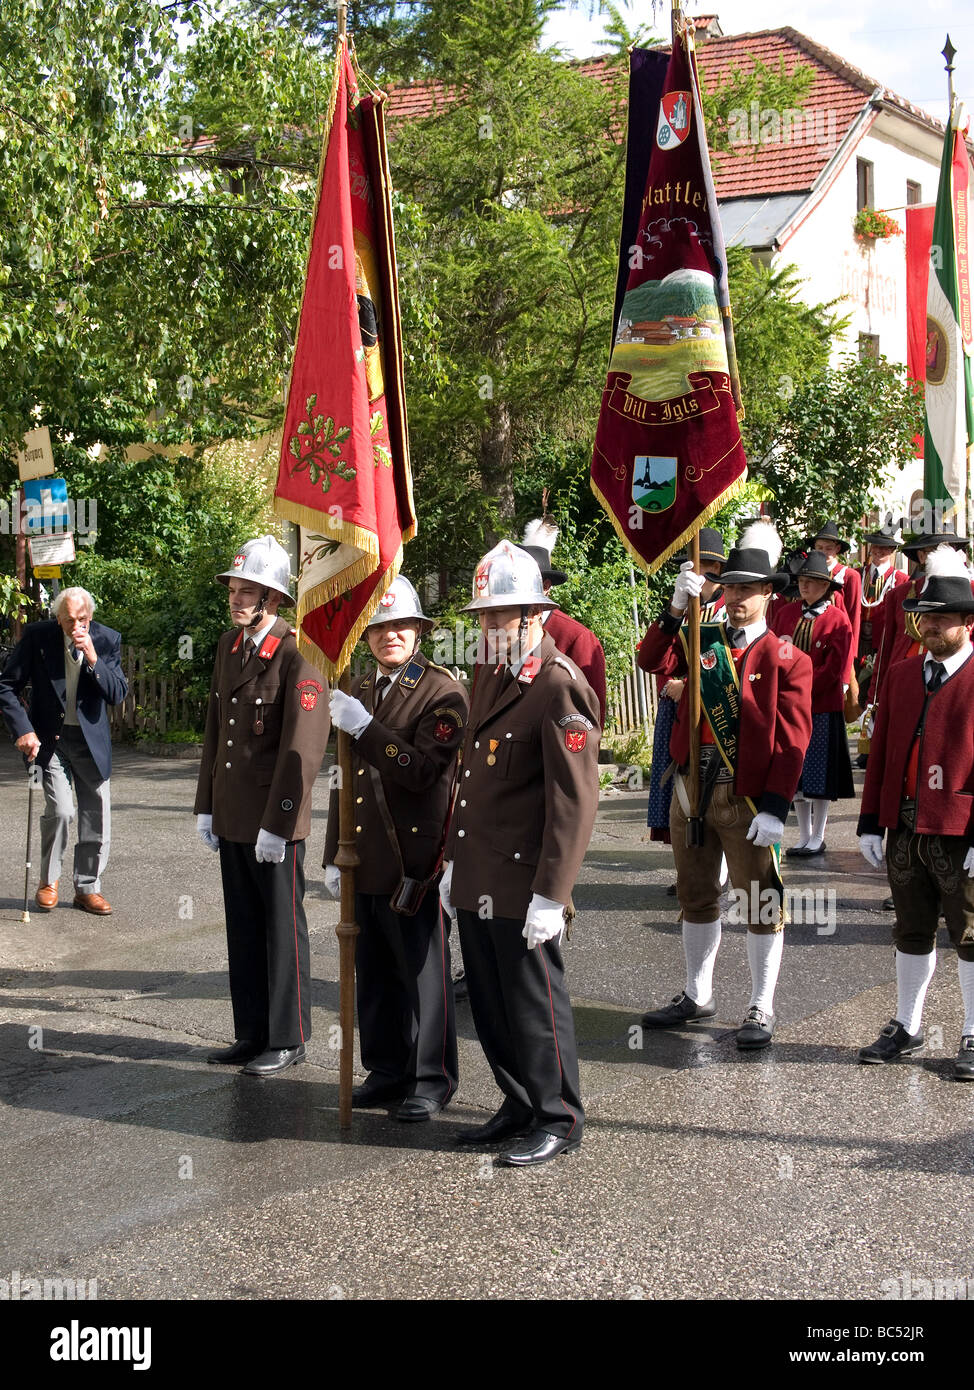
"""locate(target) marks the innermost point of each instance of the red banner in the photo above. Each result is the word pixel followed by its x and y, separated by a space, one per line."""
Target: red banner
pixel 668 451
pixel 344 470
pixel 919 235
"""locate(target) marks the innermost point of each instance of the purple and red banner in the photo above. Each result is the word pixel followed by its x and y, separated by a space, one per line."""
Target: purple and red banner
pixel 344 472
pixel 668 451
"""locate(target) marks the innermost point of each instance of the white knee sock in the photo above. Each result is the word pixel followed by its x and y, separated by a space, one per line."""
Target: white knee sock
pixel 803 811
pixel 700 942
pixel 965 971
pixel 820 817
pixel 764 957
pixel 913 975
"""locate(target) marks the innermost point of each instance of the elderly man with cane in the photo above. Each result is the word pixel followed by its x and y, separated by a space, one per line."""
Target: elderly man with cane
pixel 73 667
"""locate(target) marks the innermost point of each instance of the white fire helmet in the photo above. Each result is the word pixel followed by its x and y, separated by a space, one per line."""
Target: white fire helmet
pixel 265 561
pixel 508 577
pixel 400 603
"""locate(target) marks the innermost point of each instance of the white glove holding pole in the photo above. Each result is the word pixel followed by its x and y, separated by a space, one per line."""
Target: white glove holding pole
pixel 333 880
pixel 545 920
pixel 969 863
pixel 445 883
pixel 348 714
pixel 204 829
pixel 871 847
pixel 688 585
pixel 269 848
pixel 765 830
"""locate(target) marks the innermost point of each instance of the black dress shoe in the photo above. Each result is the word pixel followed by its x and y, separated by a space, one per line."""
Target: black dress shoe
pixel 498 1128
pixel 539 1147
pixel 373 1093
pixel 756 1029
pixel 415 1109
pixel 889 905
pixel 805 851
pixel 893 1041
pixel 239 1052
pixel 277 1059
pixel 460 988
pixel 681 1010
pixel 671 891
pixel 964 1065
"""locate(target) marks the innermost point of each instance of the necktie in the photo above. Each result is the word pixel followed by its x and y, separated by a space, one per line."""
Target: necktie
pixel 735 636
pixel 248 651
pixel 935 677
pixel 381 686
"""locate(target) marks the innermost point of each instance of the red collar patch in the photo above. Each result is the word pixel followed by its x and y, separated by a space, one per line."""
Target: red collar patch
pixel 268 647
pixel 236 645
pixel 530 668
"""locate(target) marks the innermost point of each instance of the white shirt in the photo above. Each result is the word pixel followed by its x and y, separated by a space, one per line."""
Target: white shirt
pixel 949 663
pixel 751 632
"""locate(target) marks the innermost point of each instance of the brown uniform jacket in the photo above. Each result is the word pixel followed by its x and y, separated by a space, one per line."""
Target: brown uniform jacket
pixel 529 788
pixel 266 729
pixel 413 744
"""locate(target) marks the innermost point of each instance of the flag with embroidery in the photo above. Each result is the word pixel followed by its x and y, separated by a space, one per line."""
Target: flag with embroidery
pixel 344 474
pixel 668 451
pixel 949 423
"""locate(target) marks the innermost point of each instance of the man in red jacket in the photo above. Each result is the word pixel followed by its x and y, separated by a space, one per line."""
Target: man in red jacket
pixel 756 701
pixel 920 789
pixel 572 638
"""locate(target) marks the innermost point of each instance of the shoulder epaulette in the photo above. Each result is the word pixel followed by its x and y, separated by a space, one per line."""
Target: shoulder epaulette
pixel 432 665
pixel 561 661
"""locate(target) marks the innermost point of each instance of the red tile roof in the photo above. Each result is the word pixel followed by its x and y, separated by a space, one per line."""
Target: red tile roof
pixel 836 96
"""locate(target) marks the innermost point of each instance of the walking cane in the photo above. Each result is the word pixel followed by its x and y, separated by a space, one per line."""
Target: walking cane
pixel 33 780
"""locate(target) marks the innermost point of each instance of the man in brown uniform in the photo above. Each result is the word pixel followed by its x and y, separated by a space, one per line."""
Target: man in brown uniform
pixel 522 820
pixel 406 721
pixel 266 729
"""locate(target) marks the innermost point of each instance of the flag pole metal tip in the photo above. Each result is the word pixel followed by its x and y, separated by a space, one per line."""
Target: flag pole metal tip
pixel 949 51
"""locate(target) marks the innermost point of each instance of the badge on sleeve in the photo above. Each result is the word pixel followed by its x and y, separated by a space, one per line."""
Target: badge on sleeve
pixel 309 691
pixel 576 739
pixel 444 731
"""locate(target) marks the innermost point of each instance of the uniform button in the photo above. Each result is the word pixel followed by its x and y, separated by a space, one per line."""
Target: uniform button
pixel 361 772
pixel 359 800
pixel 517 856
pixel 258 701
pixel 233 699
pixel 467 773
pixel 415 829
pixel 233 721
pixel 477 744
pixel 228 764
pixel 461 833
pixel 358 830
pixel 507 735
pixel 463 803
pixel 229 742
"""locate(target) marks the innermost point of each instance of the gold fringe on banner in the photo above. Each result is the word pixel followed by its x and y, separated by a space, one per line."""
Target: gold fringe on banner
pixel 736 487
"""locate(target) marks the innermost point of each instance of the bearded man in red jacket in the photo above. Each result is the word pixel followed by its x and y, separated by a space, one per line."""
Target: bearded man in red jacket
pixel 920 790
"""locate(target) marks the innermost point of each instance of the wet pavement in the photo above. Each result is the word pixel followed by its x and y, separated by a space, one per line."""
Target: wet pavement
pixel 705 1173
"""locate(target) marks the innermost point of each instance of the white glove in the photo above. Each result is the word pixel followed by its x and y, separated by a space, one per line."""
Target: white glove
pixel 269 848
pixel 872 850
pixel 445 884
pixel 333 880
pixel 969 863
pixel 689 585
pixel 348 714
pixel 765 830
pixel 545 919
pixel 204 829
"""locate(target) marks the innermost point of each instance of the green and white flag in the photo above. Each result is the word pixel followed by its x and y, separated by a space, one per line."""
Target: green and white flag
pixel 949 408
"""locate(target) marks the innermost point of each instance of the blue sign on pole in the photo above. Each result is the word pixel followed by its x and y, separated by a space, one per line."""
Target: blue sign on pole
pixel 46 507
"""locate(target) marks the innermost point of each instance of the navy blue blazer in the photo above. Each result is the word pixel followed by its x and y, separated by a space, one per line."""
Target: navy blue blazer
pixel 38 659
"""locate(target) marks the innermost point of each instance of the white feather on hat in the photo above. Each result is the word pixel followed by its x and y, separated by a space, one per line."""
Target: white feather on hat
pixel 542 533
pixel 945 560
pixel 761 535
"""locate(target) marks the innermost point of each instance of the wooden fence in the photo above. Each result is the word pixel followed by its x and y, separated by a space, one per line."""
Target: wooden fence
pixel 157 702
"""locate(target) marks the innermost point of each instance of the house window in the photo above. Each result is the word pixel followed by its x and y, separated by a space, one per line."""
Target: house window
pixel 913 193
pixel 864 184
pixel 868 346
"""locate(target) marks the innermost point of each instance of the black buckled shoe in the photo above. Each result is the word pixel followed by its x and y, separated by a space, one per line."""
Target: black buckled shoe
pixel 538 1147
pixel 498 1128
pixel 893 1041
pixel 756 1029
pixel 964 1065
pixel 682 1009
pixel 238 1053
pixel 277 1059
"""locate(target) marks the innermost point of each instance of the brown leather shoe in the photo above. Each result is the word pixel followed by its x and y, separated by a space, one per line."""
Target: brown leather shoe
pixel 46 896
pixel 93 902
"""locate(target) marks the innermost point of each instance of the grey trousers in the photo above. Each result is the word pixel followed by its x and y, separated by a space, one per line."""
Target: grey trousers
pixel 72 764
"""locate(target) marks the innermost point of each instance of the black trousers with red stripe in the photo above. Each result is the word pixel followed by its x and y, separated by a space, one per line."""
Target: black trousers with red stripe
pixel 404 992
pixel 267 945
pixel 523 1018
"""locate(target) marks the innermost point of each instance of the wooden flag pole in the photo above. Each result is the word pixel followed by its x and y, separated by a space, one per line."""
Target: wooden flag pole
pixel 694 824
pixel 347 860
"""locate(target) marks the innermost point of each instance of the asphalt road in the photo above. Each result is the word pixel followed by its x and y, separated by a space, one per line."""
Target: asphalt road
pixel 705 1173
